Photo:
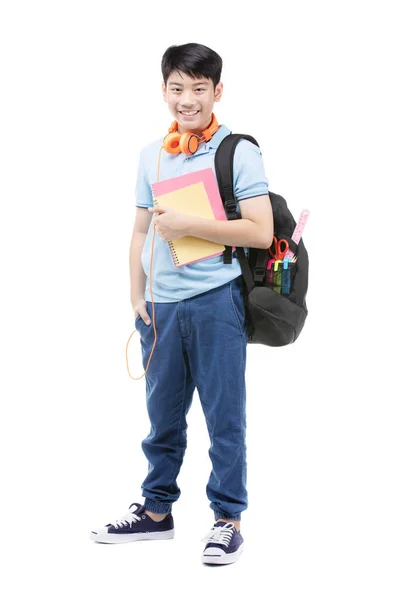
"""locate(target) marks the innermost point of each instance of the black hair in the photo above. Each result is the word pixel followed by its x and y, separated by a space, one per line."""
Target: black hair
pixel 194 60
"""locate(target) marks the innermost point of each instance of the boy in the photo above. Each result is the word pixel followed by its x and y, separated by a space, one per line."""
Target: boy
pixel 200 316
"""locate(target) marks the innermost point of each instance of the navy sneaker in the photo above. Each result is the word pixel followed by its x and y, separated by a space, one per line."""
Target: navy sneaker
pixel 134 526
pixel 224 544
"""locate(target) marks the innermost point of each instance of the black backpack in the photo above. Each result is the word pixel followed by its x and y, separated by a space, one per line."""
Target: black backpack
pixel 272 319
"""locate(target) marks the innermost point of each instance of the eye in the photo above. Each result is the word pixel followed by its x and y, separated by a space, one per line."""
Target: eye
pixel 174 89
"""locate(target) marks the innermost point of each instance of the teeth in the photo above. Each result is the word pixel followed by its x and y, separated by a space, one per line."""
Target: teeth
pixel 193 112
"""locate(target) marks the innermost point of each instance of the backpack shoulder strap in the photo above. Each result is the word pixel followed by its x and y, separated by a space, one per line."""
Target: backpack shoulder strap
pixel 224 171
pixel 224 168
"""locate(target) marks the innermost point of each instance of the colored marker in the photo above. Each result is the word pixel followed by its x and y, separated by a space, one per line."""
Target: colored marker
pixel 286 277
pixel 270 273
pixel 277 276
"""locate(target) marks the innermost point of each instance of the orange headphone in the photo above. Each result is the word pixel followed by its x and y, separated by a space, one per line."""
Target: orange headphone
pixel 174 143
pixel 188 143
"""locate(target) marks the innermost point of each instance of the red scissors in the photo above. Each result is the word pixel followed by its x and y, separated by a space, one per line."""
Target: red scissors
pixel 278 252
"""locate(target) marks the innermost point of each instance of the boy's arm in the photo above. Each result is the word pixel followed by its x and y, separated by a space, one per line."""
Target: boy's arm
pixel 253 230
pixel 143 218
pixel 137 275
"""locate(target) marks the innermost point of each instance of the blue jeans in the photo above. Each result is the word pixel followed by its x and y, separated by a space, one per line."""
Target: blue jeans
pixel 201 342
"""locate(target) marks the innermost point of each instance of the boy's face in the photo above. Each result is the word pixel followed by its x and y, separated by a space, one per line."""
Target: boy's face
pixel 183 93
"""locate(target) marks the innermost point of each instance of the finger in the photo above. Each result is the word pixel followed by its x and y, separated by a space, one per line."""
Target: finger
pixel 144 316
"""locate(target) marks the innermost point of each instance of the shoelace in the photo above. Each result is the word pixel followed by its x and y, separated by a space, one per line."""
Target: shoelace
pixel 127 519
pixel 220 535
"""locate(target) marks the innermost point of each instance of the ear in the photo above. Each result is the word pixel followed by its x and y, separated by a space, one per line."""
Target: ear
pixel 218 91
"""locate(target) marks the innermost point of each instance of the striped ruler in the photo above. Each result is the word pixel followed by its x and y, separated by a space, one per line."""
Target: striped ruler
pixel 298 232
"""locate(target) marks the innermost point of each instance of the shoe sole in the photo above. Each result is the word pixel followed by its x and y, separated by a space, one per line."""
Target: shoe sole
pixel 221 559
pixel 121 538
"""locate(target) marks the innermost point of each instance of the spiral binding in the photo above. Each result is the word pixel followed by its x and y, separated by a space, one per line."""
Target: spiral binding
pixel 170 244
pixel 174 254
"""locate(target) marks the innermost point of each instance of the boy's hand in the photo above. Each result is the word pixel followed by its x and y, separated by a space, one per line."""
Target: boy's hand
pixel 170 223
pixel 140 308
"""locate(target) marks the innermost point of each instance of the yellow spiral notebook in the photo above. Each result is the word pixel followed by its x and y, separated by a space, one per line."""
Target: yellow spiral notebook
pixel 195 194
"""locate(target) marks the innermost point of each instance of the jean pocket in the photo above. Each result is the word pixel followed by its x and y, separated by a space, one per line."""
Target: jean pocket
pixel 237 303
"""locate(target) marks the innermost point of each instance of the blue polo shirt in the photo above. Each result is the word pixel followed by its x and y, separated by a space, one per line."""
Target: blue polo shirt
pixel 170 283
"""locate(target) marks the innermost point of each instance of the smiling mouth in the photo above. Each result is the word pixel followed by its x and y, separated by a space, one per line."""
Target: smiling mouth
pixel 189 113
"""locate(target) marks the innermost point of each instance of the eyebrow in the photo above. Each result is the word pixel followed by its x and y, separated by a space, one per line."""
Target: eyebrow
pixel 197 83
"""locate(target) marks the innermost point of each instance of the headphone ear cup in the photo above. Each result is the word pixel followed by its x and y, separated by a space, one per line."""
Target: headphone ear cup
pixel 189 143
pixel 171 143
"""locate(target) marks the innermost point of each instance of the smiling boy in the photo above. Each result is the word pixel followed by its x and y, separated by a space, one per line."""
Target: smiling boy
pixel 199 307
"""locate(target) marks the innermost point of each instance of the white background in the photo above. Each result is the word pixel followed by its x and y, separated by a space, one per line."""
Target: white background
pixel 315 84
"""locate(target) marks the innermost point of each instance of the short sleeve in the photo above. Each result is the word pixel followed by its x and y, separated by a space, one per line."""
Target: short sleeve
pixel 248 171
pixel 144 196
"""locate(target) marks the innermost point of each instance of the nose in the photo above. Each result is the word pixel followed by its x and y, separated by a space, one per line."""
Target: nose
pixel 187 99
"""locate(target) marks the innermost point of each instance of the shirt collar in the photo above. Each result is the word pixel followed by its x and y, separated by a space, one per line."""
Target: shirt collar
pixel 218 137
